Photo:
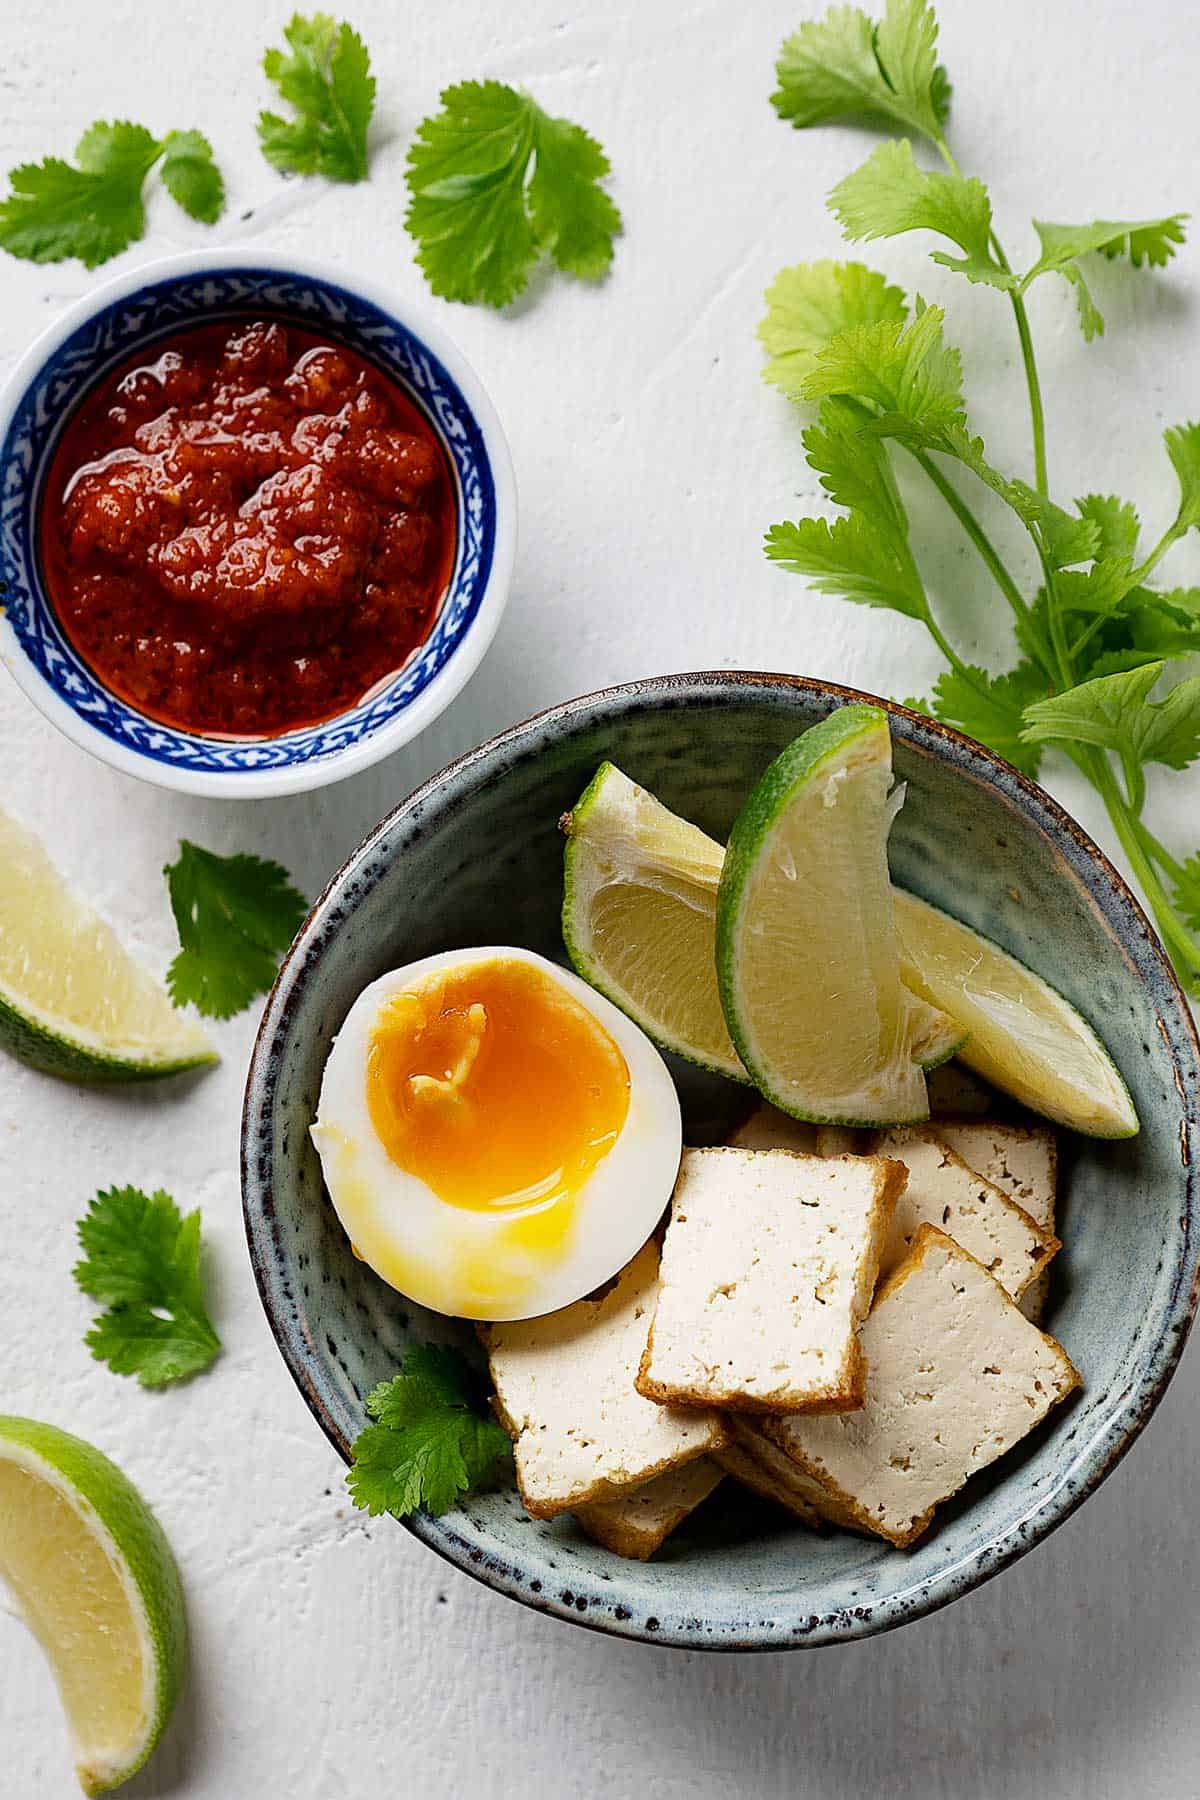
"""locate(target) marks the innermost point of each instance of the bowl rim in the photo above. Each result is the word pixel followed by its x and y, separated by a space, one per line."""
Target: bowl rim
pixel 443 688
pixel 1107 1445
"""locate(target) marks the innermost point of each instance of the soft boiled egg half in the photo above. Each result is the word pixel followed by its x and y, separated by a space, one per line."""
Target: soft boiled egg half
pixel 496 1138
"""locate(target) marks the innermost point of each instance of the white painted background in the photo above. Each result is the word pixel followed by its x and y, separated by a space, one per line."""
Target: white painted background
pixel 333 1658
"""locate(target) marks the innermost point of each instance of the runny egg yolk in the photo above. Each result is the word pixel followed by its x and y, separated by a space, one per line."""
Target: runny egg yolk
pixel 494 1086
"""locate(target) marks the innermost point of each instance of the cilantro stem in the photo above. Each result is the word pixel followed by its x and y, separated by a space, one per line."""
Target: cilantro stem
pixel 1178 939
pixel 1162 856
pixel 1037 414
pixel 1037 417
pixel 1170 536
pixel 974 531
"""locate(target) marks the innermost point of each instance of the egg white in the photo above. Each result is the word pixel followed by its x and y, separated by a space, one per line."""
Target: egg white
pixel 470 1263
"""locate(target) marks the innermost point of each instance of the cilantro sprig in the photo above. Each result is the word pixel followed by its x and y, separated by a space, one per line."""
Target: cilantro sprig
pixel 141 1261
pixel 236 915
pixel 882 382
pixel 93 208
pixel 325 77
pixel 496 183
pixel 428 1443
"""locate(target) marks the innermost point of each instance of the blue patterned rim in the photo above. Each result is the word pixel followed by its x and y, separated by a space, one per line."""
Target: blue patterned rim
pixel 106 339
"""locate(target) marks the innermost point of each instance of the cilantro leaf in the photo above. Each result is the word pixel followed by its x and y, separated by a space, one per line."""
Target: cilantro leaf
pixel 141 1261
pixel 1116 713
pixel 1165 623
pixel 1183 448
pixel 890 195
pixel 1098 590
pixel 428 1445
pixel 1116 521
pixel 850 558
pixel 93 209
pixel 191 176
pixel 495 182
pixel 991 708
pixel 1066 539
pixel 811 303
pixel 908 371
pixel 327 82
pixel 236 915
pixel 1187 891
pixel 573 218
pixel 845 66
pixel 854 468
pixel 1150 241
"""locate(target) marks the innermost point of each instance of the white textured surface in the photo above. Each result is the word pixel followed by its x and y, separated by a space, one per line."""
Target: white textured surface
pixel 335 1658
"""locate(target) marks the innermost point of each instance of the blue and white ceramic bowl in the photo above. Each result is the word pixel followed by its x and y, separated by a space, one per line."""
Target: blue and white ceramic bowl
pixel 478 847
pixel 113 323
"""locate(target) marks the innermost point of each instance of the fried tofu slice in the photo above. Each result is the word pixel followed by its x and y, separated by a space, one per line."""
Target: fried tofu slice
pixel 957 1376
pixel 943 1191
pixel 1022 1161
pixel 638 1524
pixel 768 1270
pixel 564 1392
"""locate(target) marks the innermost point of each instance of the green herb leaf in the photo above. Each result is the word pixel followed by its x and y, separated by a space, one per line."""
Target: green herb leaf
pixel 811 303
pixel 191 177
pixel 1150 241
pixel 574 220
pixel 1187 891
pixel 1183 448
pixel 481 218
pixel 1116 713
pixel 849 558
pixel 1067 540
pixel 327 82
pixel 1115 520
pixel 908 371
pixel 890 195
pixel 141 1261
pixel 854 468
pixel 992 707
pixel 1098 590
pixel 845 66
pixel 428 1445
pixel 93 209
pixel 236 915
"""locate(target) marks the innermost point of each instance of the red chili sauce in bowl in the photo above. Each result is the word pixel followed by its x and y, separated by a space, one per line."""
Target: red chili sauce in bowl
pixel 248 532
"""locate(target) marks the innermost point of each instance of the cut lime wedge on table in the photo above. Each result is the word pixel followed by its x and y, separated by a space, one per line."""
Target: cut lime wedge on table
pixel 807 960
pixel 95 1581
pixel 640 921
pixel 1024 1037
pixel 72 1001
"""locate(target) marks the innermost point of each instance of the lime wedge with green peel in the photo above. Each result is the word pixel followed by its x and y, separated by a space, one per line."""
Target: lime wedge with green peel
pixel 807 960
pixel 72 1001
pixel 640 924
pixel 1023 1036
pixel 639 917
pixel 95 1581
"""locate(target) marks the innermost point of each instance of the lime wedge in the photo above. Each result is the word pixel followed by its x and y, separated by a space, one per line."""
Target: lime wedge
pixel 639 917
pixel 807 960
pixel 1023 1036
pixel 72 1001
pixel 95 1581
pixel 640 924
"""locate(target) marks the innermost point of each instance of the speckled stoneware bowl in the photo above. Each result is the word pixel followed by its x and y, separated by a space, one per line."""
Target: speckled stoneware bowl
pixel 475 857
